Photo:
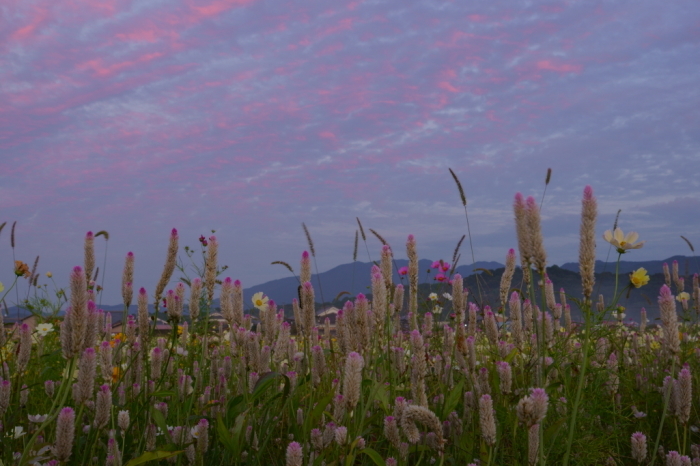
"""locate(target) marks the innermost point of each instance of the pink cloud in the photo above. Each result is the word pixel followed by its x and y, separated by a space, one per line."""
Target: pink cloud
pixel 39 17
pixel 559 67
pixel 342 25
pixel 447 86
pixel 218 7
pixel 99 68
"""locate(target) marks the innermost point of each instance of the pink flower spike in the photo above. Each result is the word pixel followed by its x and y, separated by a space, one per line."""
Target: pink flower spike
pixel 587 193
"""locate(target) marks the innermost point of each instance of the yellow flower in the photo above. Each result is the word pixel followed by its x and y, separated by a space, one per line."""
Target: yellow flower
pixel 116 374
pixel 621 241
pixel 49 274
pixel 260 301
pixel 639 277
pixel 119 336
pixel 2 287
pixel 179 329
pixel 683 296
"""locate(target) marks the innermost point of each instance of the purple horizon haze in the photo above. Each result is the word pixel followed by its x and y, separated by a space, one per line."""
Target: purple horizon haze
pixel 250 117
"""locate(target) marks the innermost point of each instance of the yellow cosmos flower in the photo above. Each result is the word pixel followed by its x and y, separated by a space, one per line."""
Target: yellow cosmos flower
pixel 260 300
pixel 621 241
pixel 119 336
pixel 683 296
pixel 639 277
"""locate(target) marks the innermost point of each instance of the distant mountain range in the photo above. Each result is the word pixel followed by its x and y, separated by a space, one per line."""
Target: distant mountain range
pixel 354 278
pixel 686 266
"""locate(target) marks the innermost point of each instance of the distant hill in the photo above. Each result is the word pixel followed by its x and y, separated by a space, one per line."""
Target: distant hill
pixel 354 278
pixel 686 265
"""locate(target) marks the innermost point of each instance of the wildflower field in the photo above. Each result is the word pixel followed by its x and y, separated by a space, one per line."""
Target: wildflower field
pixel 392 381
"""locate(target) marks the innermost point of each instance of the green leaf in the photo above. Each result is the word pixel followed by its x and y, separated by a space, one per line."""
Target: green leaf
pixel 263 384
pixel 378 460
pixel 235 407
pixel 315 415
pixel 453 399
pixel 551 433
pixel 381 394
pixel 159 420
pixel 153 456
pixel 224 435
pixel 163 393
pixel 237 433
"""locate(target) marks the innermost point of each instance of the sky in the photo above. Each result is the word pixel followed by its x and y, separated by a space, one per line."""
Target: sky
pixel 250 117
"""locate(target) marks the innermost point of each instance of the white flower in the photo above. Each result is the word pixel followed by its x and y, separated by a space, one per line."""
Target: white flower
pixel 17 432
pixel 619 316
pixel 182 351
pixel 194 432
pixel 44 329
pixel 447 296
pixel 621 241
pixel 160 432
pixel 433 296
pixel 260 301
pixel 37 418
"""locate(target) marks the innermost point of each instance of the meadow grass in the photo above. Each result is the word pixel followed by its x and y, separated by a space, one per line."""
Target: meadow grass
pixel 519 384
